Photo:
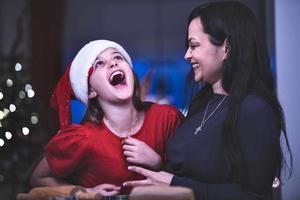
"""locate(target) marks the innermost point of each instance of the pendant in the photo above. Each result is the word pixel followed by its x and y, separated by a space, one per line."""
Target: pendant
pixel 198 129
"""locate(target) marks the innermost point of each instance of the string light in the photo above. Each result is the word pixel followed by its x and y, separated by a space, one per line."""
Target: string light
pixel 22 94
pixel 18 67
pixel 30 93
pixel 1 95
pixel 6 111
pixel 8 135
pixel 25 131
pixel 1 142
pixel 28 87
pixel 12 108
pixel 9 82
pixel 34 119
pixel 2 115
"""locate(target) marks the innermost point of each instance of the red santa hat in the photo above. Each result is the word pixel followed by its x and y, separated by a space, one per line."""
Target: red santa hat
pixel 74 82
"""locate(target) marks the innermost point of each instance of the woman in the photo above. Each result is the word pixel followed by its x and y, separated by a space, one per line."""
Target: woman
pixel 229 146
pixel 118 128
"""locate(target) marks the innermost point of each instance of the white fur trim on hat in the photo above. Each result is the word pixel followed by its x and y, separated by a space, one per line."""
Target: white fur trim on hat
pixel 84 60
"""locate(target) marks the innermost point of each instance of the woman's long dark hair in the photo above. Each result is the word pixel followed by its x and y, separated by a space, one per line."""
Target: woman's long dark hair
pixel 94 112
pixel 246 71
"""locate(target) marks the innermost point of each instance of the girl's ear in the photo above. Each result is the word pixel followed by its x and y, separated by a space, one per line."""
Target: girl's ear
pixel 92 93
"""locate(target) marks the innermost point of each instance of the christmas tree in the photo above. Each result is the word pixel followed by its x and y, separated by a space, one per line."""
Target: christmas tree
pixel 18 123
pixel 20 133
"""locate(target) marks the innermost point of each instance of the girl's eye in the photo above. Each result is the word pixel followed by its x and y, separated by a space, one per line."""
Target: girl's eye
pixel 98 63
pixel 118 57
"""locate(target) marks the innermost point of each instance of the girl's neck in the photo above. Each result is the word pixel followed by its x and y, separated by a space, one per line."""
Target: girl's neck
pixel 122 119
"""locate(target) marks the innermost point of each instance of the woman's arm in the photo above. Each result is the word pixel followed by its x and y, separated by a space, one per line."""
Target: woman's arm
pixel 202 190
pixel 226 191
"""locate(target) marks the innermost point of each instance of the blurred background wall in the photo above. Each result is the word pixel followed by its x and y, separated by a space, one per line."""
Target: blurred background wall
pixel 44 36
pixel 287 25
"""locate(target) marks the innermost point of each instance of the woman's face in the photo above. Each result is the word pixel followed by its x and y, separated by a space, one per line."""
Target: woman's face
pixel 206 59
pixel 112 78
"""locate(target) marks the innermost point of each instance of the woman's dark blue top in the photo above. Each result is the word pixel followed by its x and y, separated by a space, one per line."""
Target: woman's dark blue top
pixel 198 160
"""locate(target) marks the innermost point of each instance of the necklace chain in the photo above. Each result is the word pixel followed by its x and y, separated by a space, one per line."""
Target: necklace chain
pixel 204 119
pixel 129 131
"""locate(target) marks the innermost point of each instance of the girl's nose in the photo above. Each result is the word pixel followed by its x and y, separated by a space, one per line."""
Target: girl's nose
pixel 113 63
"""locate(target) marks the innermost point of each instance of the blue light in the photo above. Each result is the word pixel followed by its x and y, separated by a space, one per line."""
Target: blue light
pixel 77 111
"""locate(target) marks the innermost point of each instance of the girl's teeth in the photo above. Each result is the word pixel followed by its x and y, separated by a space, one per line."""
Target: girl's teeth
pixel 115 73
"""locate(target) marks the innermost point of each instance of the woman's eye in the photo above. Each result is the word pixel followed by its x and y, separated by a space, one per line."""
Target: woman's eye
pixel 193 46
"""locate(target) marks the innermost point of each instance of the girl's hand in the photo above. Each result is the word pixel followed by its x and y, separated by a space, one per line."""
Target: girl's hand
pixel 138 152
pixel 105 189
pixel 152 177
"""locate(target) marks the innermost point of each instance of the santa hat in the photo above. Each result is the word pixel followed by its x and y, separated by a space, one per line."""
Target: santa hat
pixel 75 79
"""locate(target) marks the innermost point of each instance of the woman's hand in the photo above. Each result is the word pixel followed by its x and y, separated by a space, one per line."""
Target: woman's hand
pixel 105 189
pixel 138 152
pixel 152 177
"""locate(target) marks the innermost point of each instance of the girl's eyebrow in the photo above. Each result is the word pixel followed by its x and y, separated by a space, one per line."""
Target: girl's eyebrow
pixel 97 58
pixel 115 52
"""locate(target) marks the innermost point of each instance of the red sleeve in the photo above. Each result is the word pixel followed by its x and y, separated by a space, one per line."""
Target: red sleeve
pixel 66 150
pixel 173 120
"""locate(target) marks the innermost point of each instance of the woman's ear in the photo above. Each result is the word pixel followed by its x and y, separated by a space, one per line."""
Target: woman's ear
pixel 92 93
pixel 227 48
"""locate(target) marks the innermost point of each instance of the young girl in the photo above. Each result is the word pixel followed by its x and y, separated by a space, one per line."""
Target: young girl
pixel 118 128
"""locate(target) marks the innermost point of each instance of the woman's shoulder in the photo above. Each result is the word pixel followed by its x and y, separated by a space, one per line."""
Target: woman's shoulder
pixel 256 107
pixel 258 124
pixel 254 102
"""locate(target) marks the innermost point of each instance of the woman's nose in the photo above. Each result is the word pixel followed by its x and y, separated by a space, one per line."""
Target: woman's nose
pixel 187 55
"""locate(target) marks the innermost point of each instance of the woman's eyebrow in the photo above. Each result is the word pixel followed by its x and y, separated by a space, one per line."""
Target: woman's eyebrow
pixel 190 39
